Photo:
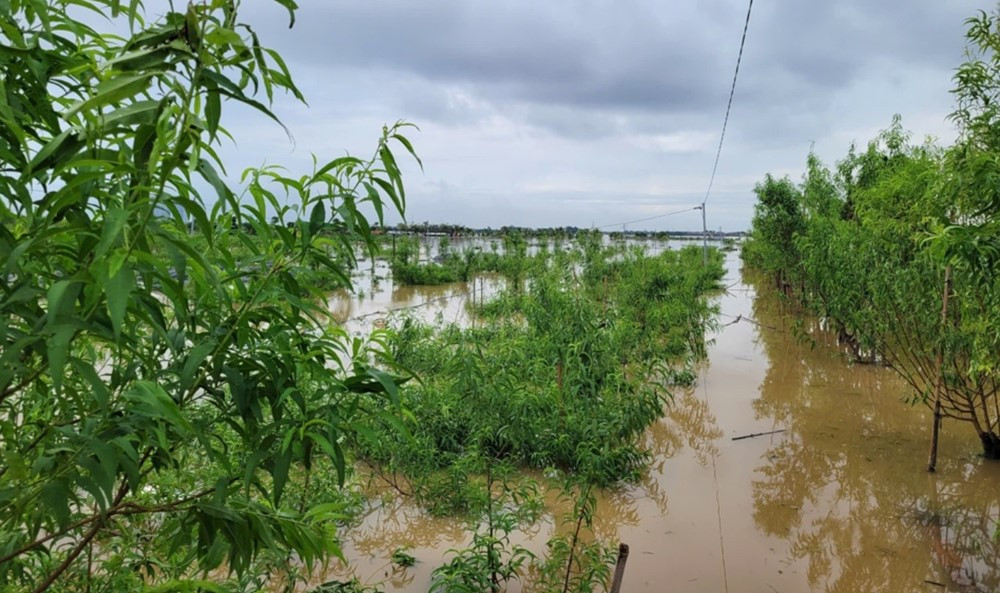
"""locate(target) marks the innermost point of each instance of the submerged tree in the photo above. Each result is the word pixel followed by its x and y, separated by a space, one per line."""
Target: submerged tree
pixel 777 220
pixel 165 376
pixel 899 251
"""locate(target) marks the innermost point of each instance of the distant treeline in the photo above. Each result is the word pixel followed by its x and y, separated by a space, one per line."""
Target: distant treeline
pixel 457 230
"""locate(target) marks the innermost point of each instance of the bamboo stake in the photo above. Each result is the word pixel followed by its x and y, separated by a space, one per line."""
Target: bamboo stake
pixel 936 426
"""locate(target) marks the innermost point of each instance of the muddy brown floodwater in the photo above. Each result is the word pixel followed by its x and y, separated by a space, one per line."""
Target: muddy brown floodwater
pixel 838 501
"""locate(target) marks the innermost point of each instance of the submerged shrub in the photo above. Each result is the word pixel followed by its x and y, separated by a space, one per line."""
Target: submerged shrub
pixel 568 374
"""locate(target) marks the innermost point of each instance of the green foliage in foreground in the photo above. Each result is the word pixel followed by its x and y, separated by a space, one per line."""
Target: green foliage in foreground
pixel 165 399
pixel 874 246
pixel 506 502
pixel 568 375
pixel 575 563
pixel 491 561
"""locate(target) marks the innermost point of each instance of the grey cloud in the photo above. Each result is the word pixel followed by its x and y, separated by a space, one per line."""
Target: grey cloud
pixel 577 68
pixel 831 43
pixel 580 92
pixel 522 51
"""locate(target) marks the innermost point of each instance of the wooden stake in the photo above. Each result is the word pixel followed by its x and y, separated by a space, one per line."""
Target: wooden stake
pixel 616 582
pixel 936 426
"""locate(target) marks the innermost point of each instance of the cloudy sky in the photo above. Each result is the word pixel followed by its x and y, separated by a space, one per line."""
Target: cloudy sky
pixel 591 112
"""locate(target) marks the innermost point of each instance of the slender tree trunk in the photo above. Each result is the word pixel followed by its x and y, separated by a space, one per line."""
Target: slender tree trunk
pixel 493 560
pixel 572 552
pixel 936 426
pixel 991 445
pixel 986 415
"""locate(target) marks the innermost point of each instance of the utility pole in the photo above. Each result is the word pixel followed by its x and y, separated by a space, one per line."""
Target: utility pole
pixel 704 234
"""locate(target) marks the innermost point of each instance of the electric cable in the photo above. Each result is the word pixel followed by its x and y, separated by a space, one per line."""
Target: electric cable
pixel 729 106
pixel 664 215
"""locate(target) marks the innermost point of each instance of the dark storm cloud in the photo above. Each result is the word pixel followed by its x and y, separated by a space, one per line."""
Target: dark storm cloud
pixel 538 103
pixel 826 45
pixel 594 55
pixel 581 59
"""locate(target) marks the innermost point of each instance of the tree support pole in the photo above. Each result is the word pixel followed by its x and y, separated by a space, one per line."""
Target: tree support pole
pixel 704 236
pixel 616 582
pixel 936 426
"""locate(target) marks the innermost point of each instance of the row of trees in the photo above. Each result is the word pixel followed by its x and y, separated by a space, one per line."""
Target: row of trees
pixel 898 249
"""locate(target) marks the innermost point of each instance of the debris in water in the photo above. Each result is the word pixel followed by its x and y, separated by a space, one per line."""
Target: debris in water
pixel 758 434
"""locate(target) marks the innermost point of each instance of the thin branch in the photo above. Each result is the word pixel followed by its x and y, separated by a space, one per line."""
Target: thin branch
pixel 78 549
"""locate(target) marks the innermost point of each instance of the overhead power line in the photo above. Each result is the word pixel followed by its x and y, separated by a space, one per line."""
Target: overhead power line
pixel 664 215
pixel 729 106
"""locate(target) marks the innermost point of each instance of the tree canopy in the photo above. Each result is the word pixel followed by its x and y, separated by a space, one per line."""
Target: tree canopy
pixel 898 248
pixel 164 371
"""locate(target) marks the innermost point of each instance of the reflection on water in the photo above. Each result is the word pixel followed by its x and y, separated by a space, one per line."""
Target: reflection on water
pixel 846 487
pixel 839 501
pixel 691 423
pixel 377 299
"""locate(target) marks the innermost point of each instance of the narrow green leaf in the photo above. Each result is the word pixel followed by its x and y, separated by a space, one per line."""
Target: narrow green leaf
pixel 291 6
pixel 151 401
pixel 59 144
pixel 58 352
pixel 343 162
pixel 409 148
pixel 140 112
pixel 61 299
pixel 394 421
pixel 119 291
pixel 113 91
pixel 213 113
pixel 55 498
pixel 242 98
pixel 114 222
pixel 193 362
pixel 98 387
pixel 279 472
pixel 224 36
pixel 317 219
pixel 209 174
pixel 387 381
pixel 140 59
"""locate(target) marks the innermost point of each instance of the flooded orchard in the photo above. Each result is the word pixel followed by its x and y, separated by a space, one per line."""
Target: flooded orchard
pixel 831 495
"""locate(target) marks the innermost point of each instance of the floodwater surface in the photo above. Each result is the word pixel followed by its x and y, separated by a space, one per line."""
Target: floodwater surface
pixel 836 498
